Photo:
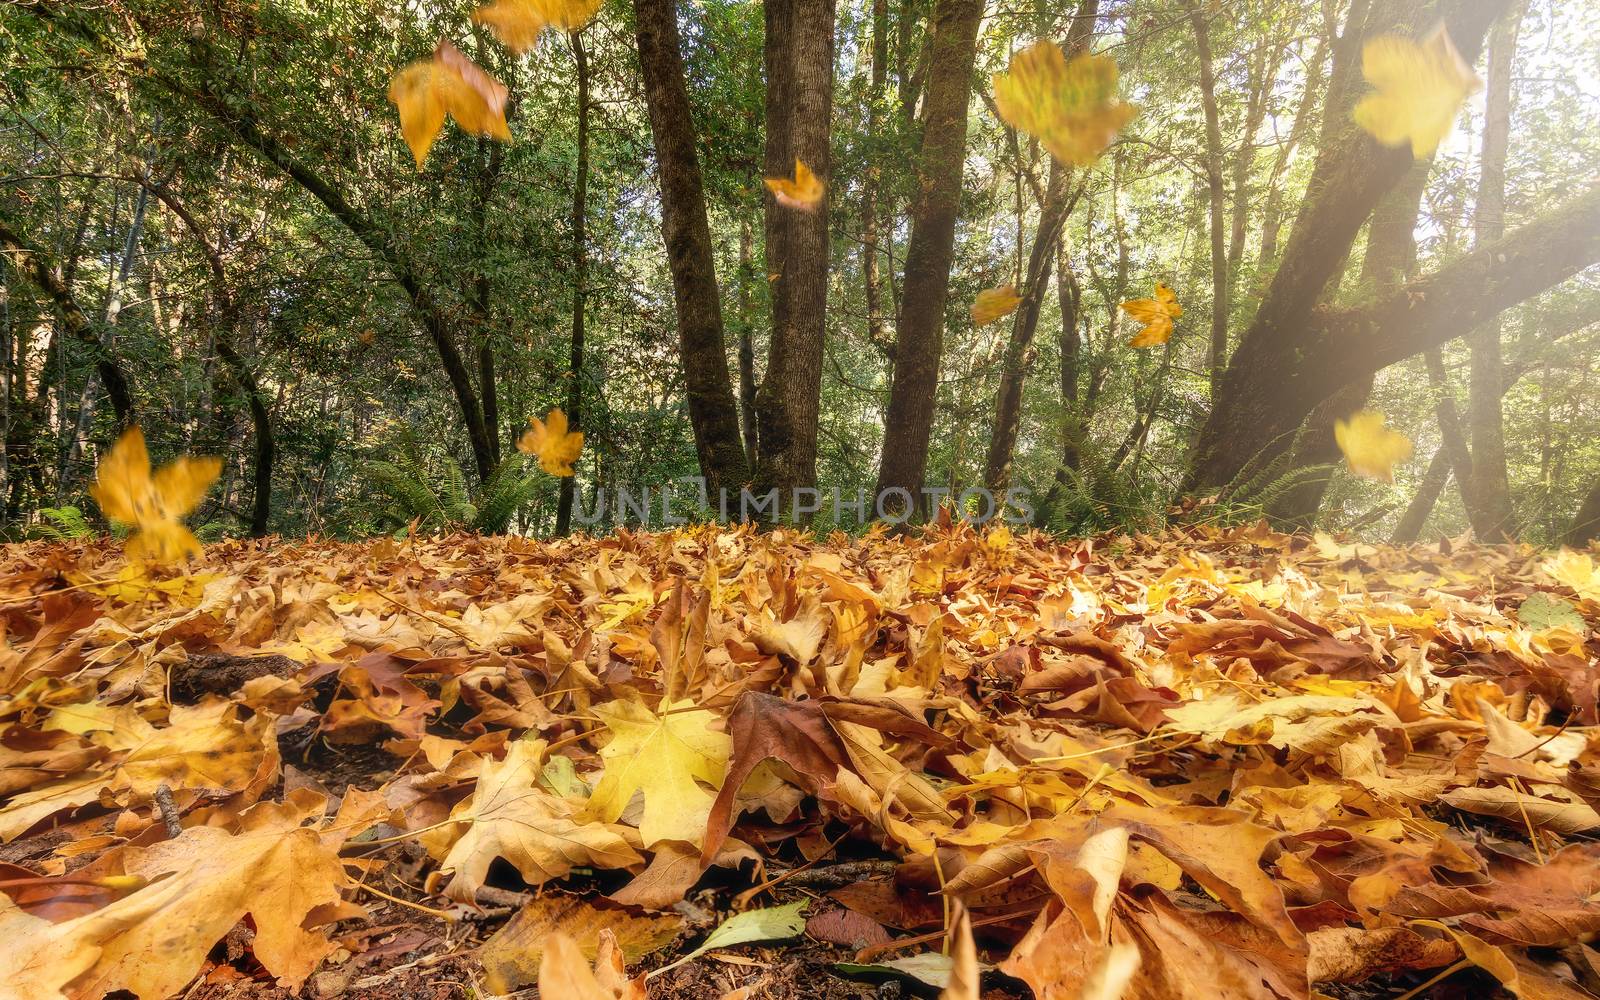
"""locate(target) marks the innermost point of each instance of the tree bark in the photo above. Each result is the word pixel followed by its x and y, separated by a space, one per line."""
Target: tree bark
pixel 919 338
pixel 1421 506
pixel 799 102
pixel 1585 526
pixel 1272 213
pixel 580 274
pixel 1267 382
pixel 1489 494
pixel 747 346
pixel 687 235
pixel 38 268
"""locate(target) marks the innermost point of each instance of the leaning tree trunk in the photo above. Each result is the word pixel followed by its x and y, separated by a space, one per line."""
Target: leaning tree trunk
pixel 687 234
pixel 799 54
pixel 1488 492
pixel 919 338
pixel 1585 526
pixel 580 272
pixel 1269 386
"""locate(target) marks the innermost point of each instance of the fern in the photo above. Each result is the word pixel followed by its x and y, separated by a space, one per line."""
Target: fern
pixel 444 500
pixel 61 524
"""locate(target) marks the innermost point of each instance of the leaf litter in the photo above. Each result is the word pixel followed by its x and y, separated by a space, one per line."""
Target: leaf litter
pixel 721 762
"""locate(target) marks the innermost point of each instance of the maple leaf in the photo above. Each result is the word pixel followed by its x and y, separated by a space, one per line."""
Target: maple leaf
pixel 1371 448
pixel 153 941
pixel 803 192
pixel 512 957
pixel 1071 107
pixel 1156 314
pixel 665 757
pixel 1577 570
pixel 511 818
pixel 448 84
pixel 153 505
pixel 994 303
pixel 519 23
pixel 565 974
pixel 550 441
pixel 1419 89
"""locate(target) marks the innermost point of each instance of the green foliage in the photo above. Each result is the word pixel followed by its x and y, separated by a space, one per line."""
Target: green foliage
pixel 61 524
pixel 439 499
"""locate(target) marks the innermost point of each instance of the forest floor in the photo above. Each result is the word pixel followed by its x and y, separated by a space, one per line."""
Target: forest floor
pixel 1210 763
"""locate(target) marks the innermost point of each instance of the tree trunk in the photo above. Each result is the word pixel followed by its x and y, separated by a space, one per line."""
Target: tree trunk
pixel 1489 495
pixel 1217 353
pixel 687 235
pixel 876 94
pixel 580 273
pixel 747 345
pixel 1390 258
pixel 226 320
pixel 1421 506
pixel 1585 526
pixel 799 102
pixel 1269 385
pixel 1272 213
pixel 919 338
pixel 1055 206
pixel 32 263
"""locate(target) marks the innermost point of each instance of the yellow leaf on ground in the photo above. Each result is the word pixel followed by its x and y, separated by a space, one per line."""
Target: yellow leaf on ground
pixel 994 303
pixel 1577 570
pixel 1071 107
pixel 1156 314
pixel 666 758
pixel 519 23
pixel 549 440
pixel 154 505
pixel 512 957
pixel 1420 87
pixel 564 974
pixel 1371 448
pixel 803 192
pixel 535 831
pixel 448 84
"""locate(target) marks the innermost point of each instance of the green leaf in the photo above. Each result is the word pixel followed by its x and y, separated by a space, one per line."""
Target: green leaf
pixel 1542 611
pixel 776 923
pixel 930 968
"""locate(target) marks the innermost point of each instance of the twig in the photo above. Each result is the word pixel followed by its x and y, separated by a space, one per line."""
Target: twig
pixel 169 812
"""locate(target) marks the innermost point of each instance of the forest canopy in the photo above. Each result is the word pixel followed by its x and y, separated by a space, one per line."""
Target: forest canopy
pixel 1328 262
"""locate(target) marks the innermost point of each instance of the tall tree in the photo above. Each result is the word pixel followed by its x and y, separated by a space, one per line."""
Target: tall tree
pixel 580 273
pixel 687 236
pixel 1217 354
pixel 799 104
pixel 919 341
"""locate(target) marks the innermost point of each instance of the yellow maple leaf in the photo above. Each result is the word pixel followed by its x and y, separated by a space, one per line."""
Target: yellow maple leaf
pixel 803 192
pixel 666 757
pixel 994 303
pixel 1371 448
pixel 449 83
pixel 1420 87
pixel 1156 314
pixel 1071 107
pixel 534 830
pixel 519 23
pixel 154 505
pixel 550 440
pixel 1577 570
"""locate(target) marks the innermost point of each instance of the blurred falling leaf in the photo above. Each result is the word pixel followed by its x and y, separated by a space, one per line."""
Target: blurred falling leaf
pixel 1420 87
pixel 1371 448
pixel 449 83
pixel 1071 107
pixel 519 23
pixel 994 303
pixel 154 505
pixel 1156 314
pixel 803 192
pixel 550 441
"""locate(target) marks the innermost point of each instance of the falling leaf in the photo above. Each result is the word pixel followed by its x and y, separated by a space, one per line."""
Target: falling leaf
pixel 994 303
pixel 802 193
pixel 1156 314
pixel 1371 448
pixel 665 757
pixel 153 505
pixel 519 23
pixel 448 84
pixel 550 440
pixel 534 830
pixel 1071 107
pixel 1420 87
